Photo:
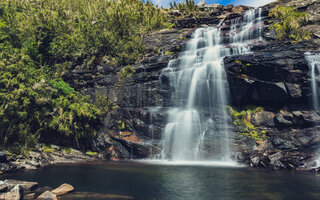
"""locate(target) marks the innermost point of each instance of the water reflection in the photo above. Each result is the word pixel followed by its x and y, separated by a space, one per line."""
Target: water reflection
pixel 164 182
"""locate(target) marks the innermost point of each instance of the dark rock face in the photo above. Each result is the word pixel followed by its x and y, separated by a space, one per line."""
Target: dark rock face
pixel 266 78
pixel 278 80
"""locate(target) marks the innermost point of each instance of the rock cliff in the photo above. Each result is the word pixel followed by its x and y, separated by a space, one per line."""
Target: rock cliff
pixel 275 76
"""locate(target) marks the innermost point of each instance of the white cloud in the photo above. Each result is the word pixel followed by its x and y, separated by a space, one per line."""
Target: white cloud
pixel 255 3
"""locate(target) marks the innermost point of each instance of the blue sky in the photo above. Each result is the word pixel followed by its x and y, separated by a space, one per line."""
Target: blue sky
pixel 255 3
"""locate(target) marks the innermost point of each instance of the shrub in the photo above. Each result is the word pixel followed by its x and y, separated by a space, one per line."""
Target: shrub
pixel 189 6
pixel 42 40
pixel 126 72
pixel 289 23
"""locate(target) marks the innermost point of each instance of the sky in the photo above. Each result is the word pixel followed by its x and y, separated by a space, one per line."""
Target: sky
pixel 254 3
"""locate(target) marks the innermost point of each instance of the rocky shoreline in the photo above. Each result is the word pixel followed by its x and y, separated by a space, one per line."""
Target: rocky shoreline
pixel 18 190
pixel 10 163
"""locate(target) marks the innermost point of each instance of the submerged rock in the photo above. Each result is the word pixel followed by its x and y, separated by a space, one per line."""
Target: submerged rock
pixel 97 196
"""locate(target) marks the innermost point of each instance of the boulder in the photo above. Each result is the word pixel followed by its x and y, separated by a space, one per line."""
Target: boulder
pixel 282 122
pixel 306 118
pixel 15 193
pixel 275 157
pixel 3 157
pixel 26 186
pixel 47 195
pixel 255 161
pixel 263 118
pixel 63 189
pixel 3 187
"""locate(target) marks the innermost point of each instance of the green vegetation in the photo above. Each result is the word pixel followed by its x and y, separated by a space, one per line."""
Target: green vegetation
pixel 91 153
pixel 104 104
pixel 121 125
pixel 126 72
pixel 241 121
pixel 168 53
pixel 189 6
pixel 47 149
pixel 289 25
pixel 41 40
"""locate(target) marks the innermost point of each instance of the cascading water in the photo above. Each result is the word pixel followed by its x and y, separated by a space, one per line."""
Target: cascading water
pixel 314 65
pixel 198 125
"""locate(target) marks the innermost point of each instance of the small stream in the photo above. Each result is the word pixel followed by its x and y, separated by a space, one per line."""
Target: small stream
pixel 145 181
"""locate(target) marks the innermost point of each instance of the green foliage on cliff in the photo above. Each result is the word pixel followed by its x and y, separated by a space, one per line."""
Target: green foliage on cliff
pixel 290 22
pixel 40 40
pixel 189 6
pixel 241 121
pixel 126 72
pixel 53 31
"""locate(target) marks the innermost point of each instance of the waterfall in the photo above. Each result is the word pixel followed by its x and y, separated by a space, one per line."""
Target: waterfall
pixel 198 126
pixel 314 65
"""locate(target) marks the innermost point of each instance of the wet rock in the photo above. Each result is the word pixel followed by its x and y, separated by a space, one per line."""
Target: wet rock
pixel 25 185
pixel 16 193
pixel 63 189
pixel 47 196
pixel 278 165
pixel 130 150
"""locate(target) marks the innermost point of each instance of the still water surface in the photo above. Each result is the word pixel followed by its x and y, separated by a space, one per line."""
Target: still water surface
pixel 178 182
